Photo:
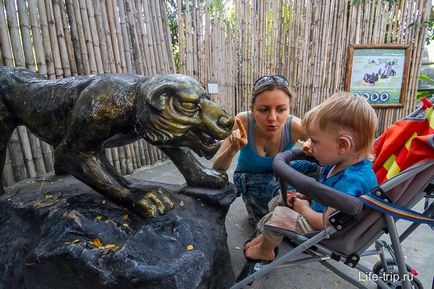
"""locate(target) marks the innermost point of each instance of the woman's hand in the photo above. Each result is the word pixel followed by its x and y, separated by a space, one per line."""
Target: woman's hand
pixel 237 139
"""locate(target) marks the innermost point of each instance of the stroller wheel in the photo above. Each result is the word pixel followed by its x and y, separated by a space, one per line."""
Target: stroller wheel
pixel 389 276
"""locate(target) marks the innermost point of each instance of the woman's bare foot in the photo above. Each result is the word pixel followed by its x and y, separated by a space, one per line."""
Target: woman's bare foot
pixel 258 239
pixel 256 252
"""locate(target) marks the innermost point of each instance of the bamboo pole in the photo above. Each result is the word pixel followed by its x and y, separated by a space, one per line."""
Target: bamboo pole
pixel 63 51
pixel 125 36
pixel 114 40
pixel 81 38
pixel 5 40
pixel 181 38
pixel 27 153
pixel 36 149
pixel 94 35
pixel 142 152
pixel 143 42
pixel 68 43
pixel 47 155
pixel 99 14
pixel 167 37
pixel 25 35
pixel 134 38
pixel 14 34
pixel 88 36
pixel 129 159
pixel 116 161
pixel 123 160
pixel 53 39
pixel 159 39
pixel 17 159
pixel 154 43
pixel 1 58
pixel 120 40
pixel 8 174
pixel 75 39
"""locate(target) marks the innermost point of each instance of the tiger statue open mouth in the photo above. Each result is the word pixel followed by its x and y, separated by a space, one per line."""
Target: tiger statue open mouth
pixel 81 116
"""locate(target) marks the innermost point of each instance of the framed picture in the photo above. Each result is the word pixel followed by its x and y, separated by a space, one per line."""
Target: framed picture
pixel 379 73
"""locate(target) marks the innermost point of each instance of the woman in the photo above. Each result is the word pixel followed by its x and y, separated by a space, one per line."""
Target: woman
pixel 270 130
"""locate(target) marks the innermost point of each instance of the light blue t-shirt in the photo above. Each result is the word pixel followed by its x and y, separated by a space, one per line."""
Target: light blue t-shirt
pixel 356 180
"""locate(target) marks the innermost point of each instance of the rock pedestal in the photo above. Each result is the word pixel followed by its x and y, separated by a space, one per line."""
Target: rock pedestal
pixel 56 232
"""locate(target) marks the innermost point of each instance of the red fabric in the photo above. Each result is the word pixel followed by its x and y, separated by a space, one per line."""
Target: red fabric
pixel 392 142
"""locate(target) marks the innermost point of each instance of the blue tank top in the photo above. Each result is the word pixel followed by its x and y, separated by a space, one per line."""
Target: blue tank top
pixel 249 160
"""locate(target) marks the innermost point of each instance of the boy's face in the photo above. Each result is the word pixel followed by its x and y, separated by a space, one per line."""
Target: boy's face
pixel 324 146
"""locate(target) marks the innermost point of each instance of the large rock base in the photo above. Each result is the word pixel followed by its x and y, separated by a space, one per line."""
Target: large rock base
pixel 58 233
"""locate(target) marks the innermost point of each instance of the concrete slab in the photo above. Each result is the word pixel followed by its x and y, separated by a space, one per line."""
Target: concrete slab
pixel 418 248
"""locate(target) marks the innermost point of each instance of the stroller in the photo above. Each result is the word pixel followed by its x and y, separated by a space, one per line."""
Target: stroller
pixel 404 167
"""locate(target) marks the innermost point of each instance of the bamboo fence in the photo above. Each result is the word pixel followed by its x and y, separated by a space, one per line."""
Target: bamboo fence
pixel 66 38
pixel 304 40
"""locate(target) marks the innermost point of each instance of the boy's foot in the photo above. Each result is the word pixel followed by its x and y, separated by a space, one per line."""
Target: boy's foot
pixel 256 252
pixel 258 239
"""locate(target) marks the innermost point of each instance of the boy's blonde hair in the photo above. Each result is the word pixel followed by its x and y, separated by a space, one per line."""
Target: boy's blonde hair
pixel 347 112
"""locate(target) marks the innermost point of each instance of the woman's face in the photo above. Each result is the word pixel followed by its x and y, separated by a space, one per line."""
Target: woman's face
pixel 271 111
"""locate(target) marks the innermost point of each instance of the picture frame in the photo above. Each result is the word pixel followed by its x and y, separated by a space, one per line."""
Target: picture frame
pixel 378 72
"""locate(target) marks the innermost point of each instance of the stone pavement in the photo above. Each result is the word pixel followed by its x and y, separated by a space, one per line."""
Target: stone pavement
pixel 418 248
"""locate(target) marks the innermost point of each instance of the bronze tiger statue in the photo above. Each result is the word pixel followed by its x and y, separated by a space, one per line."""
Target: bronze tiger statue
pixel 81 116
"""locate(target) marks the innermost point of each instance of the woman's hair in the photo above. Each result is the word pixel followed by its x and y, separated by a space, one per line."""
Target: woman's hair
pixel 347 112
pixel 272 82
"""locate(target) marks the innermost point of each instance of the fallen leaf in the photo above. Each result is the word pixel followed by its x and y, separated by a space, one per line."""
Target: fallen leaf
pixel 109 246
pixel 336 284
pixel 189 247
pixel 125 217
pixel 125 225
pixel 48 196
pixel 96 242
pixel 98 218
pixel 76 241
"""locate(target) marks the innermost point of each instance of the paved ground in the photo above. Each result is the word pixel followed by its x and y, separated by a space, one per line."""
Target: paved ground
pixel 418 248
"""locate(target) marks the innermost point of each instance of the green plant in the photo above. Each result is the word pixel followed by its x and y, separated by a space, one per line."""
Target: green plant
pixel 427 93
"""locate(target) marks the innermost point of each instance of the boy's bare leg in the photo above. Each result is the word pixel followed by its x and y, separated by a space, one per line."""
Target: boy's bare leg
pixel 262 251
pixel 253 242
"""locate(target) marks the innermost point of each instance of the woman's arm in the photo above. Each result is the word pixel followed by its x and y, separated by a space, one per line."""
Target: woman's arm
pixel 298 132
pixel 232 144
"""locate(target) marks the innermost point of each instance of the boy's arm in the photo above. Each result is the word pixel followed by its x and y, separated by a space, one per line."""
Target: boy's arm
pixel 314 218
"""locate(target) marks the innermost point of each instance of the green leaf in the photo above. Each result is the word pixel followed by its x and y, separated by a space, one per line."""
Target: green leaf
pixel 426 78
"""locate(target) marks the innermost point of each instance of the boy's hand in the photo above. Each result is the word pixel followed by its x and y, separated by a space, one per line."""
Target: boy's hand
pixel 290 198
pixel 307 148
pixel 293 195
pixel 300 205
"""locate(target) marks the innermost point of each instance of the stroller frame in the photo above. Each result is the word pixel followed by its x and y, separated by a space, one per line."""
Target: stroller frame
pixel 338 222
